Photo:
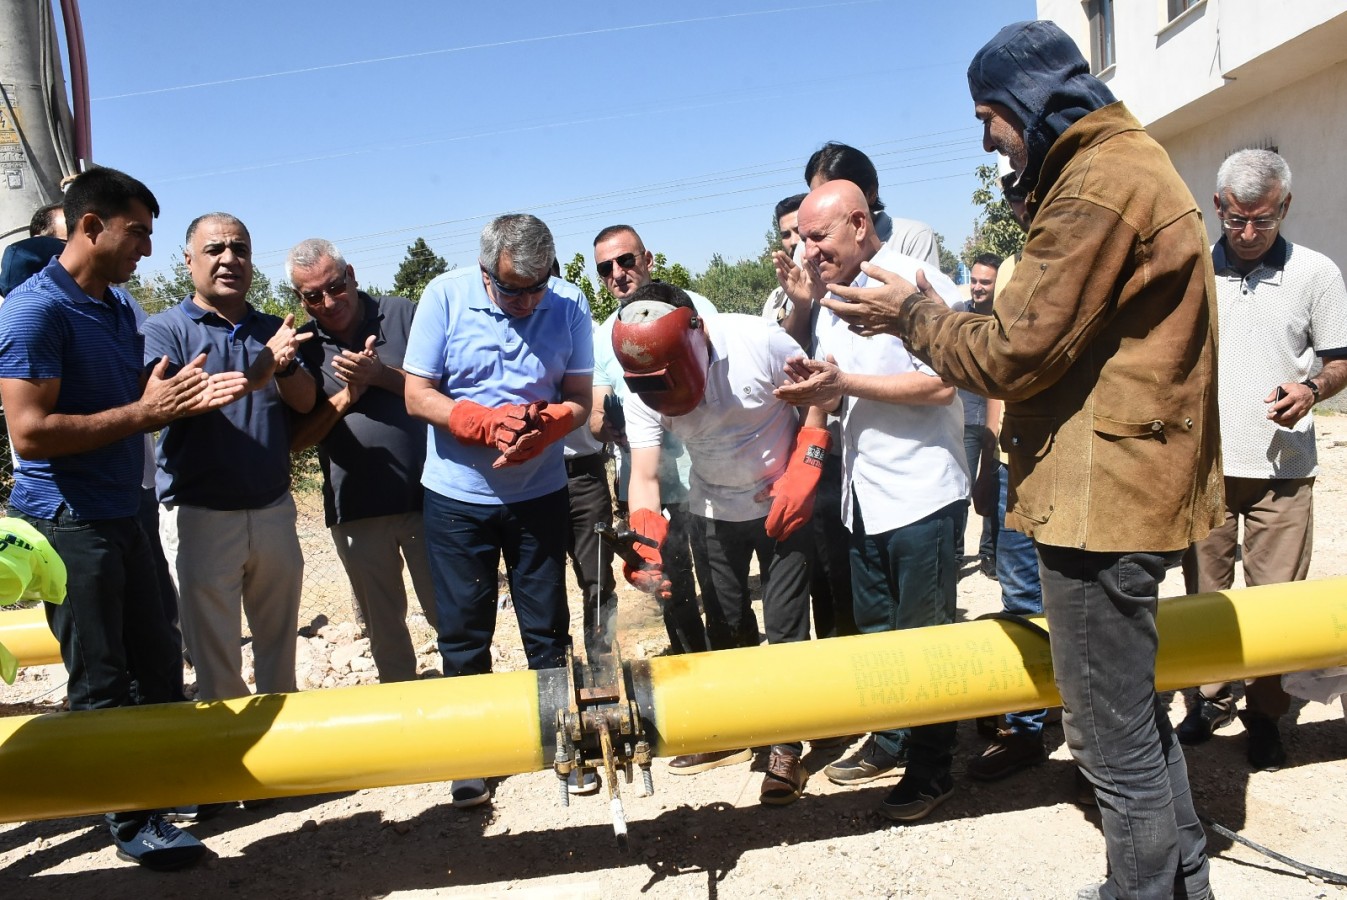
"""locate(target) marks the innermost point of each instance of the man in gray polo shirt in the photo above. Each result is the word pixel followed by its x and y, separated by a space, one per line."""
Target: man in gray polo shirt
pixel 1281 305
pixel 371 451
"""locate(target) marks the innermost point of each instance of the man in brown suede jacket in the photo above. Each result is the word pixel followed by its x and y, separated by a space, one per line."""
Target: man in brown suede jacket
pixel 1103 347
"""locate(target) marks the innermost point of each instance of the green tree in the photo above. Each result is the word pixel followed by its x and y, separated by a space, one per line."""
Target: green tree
pixel 602 303
pixel 674 274
pixel 743 286
pixel 995 230
pixel 163 290
pixel 419 266
pixel 949 263
pixel 740 287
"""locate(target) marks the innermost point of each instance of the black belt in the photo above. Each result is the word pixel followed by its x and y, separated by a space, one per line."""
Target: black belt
pixel 589 464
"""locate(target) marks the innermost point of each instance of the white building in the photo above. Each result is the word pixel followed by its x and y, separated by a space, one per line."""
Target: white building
pixel 1208 77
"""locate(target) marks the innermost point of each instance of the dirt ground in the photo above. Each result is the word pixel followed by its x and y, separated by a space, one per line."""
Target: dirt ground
pixel 707 836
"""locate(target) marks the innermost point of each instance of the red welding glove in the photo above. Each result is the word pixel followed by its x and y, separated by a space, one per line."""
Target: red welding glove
pixel 546 423
pixel 473 423
pixel 792 494
pixel 649 577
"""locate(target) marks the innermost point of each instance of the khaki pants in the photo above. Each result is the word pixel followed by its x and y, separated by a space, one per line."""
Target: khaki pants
pixel 1278 516
pixel 372 552
pixel 219 560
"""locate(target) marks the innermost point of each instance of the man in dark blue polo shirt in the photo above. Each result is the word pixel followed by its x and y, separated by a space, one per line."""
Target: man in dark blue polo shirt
pixel 77 400
pixel 227 520
pixel 370 449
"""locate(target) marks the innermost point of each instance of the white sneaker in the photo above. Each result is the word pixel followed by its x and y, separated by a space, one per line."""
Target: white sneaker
pixel 589 786
pixel 469 792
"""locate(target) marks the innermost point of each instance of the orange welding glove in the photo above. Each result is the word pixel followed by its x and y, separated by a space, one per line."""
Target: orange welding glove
pixel 793 493
pixel 473 423
pixel 546 424
pixel 650 576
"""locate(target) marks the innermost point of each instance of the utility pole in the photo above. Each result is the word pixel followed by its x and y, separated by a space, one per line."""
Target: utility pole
pixel 37 131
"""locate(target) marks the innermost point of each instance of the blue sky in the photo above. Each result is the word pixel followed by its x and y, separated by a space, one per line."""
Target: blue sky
pixel 373 123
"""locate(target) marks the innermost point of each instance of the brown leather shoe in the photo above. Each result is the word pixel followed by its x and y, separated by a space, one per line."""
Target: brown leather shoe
pixel 692 763
pixel 784 780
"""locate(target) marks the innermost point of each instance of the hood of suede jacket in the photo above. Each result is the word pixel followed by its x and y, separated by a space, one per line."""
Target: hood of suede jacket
pixel 1035 70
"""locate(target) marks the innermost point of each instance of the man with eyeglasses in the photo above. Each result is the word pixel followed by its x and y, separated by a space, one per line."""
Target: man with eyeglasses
pixel 1281 306
pixel 370 449
pixel 623 264
pixel 500 363
pixel 227 519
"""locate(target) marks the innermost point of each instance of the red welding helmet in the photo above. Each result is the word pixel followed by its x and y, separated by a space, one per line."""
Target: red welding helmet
pixel 664 355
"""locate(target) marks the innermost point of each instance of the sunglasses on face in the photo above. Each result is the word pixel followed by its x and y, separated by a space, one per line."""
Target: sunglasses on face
pixel 334 290
pixel 506 290
pixel 626 261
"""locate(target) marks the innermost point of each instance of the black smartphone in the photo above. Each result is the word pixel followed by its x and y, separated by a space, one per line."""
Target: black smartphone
pixel 1280 395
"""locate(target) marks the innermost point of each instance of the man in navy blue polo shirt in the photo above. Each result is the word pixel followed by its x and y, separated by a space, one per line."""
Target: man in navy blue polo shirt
pixel 77 399
pixel 500 362
pixel 227 520
pixel 370 449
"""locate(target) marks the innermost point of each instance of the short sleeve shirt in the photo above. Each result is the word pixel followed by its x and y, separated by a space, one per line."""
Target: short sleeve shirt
pixel 900 462
pixel 1273 323
pixel 372 457
pixel 739 437
pixel 235 457
pixel 474 351
pixel 49 328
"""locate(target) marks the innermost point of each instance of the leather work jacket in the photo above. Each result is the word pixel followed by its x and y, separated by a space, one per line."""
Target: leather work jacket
pixel 1103 344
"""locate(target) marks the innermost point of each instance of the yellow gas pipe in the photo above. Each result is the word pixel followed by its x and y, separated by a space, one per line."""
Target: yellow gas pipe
pixel 26 634
pixel 440 729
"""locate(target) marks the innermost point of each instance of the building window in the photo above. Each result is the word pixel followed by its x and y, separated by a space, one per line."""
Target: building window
pixel 1100 13
pixel 1179 7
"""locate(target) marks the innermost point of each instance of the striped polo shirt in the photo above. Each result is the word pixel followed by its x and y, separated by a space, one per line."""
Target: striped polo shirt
pixel 49 328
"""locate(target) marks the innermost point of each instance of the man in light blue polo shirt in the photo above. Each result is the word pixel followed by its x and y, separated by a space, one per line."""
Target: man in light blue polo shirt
pixel 500 362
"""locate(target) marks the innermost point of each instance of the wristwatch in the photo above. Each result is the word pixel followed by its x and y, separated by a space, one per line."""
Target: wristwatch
pixel 1314 388
pixel 294 367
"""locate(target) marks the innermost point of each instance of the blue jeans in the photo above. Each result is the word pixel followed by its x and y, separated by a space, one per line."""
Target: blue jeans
pixel 972 451
pixel 464 542
pixel 1021 592
pixel 907 578
pixel 1101 612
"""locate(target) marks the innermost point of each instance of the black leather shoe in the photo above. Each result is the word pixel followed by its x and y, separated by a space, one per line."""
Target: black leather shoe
pixel 1204 718
pixel 1266 753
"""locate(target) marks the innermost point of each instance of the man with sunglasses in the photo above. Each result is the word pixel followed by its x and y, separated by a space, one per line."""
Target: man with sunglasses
pixel 1280 306
pixel 623 264
pixel 370 449
pixel 500 364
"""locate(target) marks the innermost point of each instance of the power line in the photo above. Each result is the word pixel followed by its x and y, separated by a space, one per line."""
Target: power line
pixel 482 46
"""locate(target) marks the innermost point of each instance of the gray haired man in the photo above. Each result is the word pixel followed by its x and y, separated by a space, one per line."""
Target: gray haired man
pixel 370 449
pixel 500 363
pixel 1282 306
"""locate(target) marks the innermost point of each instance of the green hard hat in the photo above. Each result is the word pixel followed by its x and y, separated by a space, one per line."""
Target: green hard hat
pixel 29 567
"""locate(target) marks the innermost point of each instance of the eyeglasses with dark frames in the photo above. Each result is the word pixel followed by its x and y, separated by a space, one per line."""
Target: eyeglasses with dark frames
pixel 334 290
pixel 506 290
